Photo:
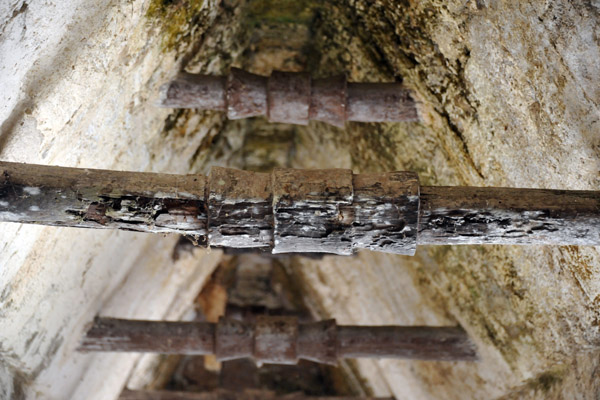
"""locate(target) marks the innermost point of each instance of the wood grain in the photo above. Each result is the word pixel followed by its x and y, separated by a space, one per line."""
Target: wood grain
pixel 280 340
pixel 90 198
pixel 306 211
pixel 292 97
pixel 471 215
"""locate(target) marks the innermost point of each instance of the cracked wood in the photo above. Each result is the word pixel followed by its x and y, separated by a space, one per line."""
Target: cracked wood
pixel 89 198
pixel 323 211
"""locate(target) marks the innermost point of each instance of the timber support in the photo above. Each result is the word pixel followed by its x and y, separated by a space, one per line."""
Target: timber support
pixel 291 97
pixel 286 211
pixel 280 340
pixel 230 395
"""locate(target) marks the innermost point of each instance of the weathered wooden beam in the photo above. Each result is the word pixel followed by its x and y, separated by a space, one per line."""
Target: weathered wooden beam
pixel 230 395
pixel 472 215
pixel 91 198
pixel 280 340
pixel 291 97
pixel 322 211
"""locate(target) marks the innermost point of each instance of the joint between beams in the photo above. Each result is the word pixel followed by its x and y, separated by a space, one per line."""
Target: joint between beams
pixel 330 211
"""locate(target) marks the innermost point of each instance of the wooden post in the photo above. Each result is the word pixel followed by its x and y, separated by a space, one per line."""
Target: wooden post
pixel 321 211
pixel 280 340
pixel 291 97
pixel 230 395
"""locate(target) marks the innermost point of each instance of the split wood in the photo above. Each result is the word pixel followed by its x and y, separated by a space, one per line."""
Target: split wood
pixel 325 211
pixel 280 340
pixel 230 395
pixel 291 97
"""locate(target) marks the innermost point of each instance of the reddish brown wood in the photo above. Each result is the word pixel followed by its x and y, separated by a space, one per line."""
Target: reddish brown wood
pixel 111 334
pixel 246 95
pixel 292 97
pixel 288 97
pixel 230 395
pixel 280 340
pixel 410 342
pixel 195 91
pixel 380 102
pixel 328 100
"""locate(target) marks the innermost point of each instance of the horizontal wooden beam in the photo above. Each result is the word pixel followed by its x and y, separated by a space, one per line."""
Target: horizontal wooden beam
pixel 230 395
pixel 291 97
pixel 280 340
pixel 490 215
pixel 288 210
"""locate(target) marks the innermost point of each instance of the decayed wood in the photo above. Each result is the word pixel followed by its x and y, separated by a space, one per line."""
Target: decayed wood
pixel 280 340
pixel 239 208
pixel 91 198
pixel 230 395
pixel 291 97
pixel 470 215
pixel 286 211
pixel 322 211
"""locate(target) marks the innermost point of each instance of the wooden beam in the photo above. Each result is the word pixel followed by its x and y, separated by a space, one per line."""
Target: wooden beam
pixel 321 211
pixel 230 395
pixel 280 340
pixel 291 97
pixel 472 215
pixel 91 198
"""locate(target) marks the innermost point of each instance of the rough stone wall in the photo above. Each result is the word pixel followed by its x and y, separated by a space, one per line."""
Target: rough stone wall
pixel 507 92
pixel 79 80
pixel 508 98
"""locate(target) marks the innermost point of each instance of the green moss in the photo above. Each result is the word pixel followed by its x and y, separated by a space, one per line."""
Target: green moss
pixel 177 19
pixel 282 11
pixel 546 380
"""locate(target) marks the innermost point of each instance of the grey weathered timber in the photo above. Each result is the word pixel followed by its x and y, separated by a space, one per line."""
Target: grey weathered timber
pixel 280 340
pixel 230 395
pixel 471 215
pixel 288 210
pixel 291 97
pixel 90 198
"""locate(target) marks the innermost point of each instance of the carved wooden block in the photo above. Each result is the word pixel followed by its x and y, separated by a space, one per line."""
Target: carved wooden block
pixel 385 212
pixel 276 340
pixel 239 208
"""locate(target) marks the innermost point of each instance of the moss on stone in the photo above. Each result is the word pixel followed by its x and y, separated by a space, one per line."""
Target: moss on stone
pixel 282 11
pixel 177 19
pixel 547 380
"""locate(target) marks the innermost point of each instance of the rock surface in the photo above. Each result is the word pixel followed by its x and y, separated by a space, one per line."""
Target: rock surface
pixel 508 98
